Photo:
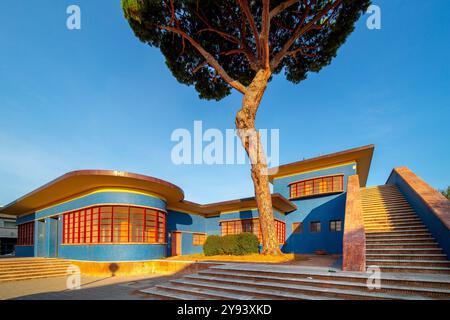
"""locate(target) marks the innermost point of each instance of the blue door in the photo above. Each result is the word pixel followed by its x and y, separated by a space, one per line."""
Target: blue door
pixel 41 239
pixel 52 237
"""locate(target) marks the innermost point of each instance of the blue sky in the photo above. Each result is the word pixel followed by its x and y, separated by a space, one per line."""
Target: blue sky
pixel 97 98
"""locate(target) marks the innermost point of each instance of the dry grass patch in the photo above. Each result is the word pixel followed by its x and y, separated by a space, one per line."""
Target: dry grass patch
pixel 286 257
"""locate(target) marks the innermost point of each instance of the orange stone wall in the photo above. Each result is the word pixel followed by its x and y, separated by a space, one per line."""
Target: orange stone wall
pixel 354 246
pixel 430 205
pixel 435 201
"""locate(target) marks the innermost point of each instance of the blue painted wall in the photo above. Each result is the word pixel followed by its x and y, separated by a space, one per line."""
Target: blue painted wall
pixel 25 219
pixel 113 252
pixel 247 214
pixel 212 225
pixel 318 208
pixel 182 221
pixel 25 251
pixel 433 223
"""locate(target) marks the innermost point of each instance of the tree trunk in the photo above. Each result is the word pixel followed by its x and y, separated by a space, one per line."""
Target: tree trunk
pixel 251 141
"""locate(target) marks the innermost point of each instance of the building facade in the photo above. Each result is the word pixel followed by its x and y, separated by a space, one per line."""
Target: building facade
pixel 98 215
pixel 8 234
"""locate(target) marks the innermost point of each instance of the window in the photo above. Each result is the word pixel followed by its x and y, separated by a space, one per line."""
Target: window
pixel 25 234
pixel 317 186
pixel 114 224
pixel 336 225
pixel 297 227
pixel 198 239
pixel 253 226
pixel 315 226
pixel 9 224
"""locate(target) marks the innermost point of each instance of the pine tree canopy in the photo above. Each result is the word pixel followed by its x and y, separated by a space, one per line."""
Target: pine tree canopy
pixel 217 45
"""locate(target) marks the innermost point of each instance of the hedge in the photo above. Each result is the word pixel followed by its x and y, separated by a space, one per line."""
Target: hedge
pixel 213 246
pixel 233 244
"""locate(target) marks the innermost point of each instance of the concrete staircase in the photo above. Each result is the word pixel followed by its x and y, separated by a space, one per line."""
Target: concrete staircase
pixel 13 269
pixel 272 282
pixel 396 238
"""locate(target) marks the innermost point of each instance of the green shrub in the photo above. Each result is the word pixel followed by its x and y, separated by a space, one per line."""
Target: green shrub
pixel 213 246
pixel 230 244
pixel 248 243
pixel 233 244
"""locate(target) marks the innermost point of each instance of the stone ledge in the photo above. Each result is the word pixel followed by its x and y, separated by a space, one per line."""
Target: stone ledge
pixel 432 198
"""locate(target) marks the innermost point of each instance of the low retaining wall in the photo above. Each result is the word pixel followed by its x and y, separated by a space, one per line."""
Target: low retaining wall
pixel 140 267
pixel 354 244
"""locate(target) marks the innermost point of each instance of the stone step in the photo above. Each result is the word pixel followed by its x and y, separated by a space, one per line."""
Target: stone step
pixel 202 293
pixel 392 219
pixel 289 289
pixel 386 191
pixel 390 250
pixel 407 214
pixel 387 211
pixel 407 256
pixel 382 197
pixel 402 232
pixel 28 276
pixel 415 269
pixel 165 292
pixel 398 262
pixel 390 229
pixel 393 224
pixel 423 236
pixel 220 288
pixel 394 246
pixel 340 284
pixel 367 200
pixel 407 279
pixel 402 215
pixel 33 267
pixel 32 263
pixel 31 271
pixel 384 215
pixel 384 203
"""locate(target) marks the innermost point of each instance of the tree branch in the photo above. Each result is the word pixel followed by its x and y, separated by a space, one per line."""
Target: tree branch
pixel 201 65
pixel 241 42
pixel 279 8
pixel 299 31
pixel 224 35
pixel 209 59
pixel 265 28
pixel 248 14
pixel 302 51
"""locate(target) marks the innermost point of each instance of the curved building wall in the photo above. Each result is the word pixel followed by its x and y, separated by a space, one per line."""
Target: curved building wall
pixel 49 228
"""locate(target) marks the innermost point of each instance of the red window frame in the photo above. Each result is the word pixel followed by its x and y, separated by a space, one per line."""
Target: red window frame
pixel 114 224
pixel 198 239
pixel 316 186
pixel 25 234
pixel 252 225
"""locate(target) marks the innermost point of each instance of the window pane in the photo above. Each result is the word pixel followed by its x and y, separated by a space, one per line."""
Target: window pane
pixel 315 226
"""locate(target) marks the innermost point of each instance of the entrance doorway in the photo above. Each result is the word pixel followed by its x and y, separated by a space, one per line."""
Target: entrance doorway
pixel 176 243
pixel 53 237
